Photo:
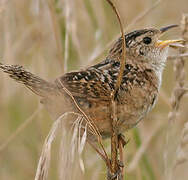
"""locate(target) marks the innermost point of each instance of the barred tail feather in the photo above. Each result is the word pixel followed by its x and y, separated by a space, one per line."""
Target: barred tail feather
pixel 31 81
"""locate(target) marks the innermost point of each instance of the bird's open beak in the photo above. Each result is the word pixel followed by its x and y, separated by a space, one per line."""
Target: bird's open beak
pixel 165 43
pixel 166 28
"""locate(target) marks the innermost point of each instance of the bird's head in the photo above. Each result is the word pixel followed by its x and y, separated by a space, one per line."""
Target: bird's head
pixel 144 45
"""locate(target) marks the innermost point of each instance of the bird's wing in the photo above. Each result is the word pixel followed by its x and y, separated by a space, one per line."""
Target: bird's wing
pixel 88 84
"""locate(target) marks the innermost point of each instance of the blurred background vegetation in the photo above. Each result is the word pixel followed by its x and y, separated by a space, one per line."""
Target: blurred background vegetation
pixel 50 37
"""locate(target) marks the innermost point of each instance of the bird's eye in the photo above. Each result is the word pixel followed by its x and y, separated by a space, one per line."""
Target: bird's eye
pixel 146 40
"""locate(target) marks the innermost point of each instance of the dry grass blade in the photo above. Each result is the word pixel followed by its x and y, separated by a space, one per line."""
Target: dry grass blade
pixel 178 56
pixel 68 151
pixel 74 140
pixel 57 35
pixel 81 145
pixel 19 130
pixel 44 161
pixel 122 65
pixel 78 140
pixel 71 148
pixel 71 28
pixel 66 52
pixel 91 125
pixel 182 150
pixel 178 92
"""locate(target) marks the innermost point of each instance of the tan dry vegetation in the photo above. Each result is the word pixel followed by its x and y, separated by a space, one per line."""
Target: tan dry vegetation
pixel 51 37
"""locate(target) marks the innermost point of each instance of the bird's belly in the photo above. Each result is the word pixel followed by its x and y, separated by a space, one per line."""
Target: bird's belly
pixel 135 107
pixel 131 108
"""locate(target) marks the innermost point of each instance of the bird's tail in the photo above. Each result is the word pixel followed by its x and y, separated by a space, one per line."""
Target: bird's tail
pixel 31 81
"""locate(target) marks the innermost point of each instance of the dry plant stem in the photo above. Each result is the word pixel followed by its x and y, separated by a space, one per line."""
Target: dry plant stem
pixel 121 145
pixel 66 53
pixel 181 88
pixel 134 21
pixel 178 91
pixel 56 32
pixel 122 65
pixel 19 129
pixel 114 138
pixel 67 27
pixel 181 152
pixel 179 73
pixel 91 124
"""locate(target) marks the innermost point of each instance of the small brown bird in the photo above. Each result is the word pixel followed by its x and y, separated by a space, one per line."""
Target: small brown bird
pixel 92 87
